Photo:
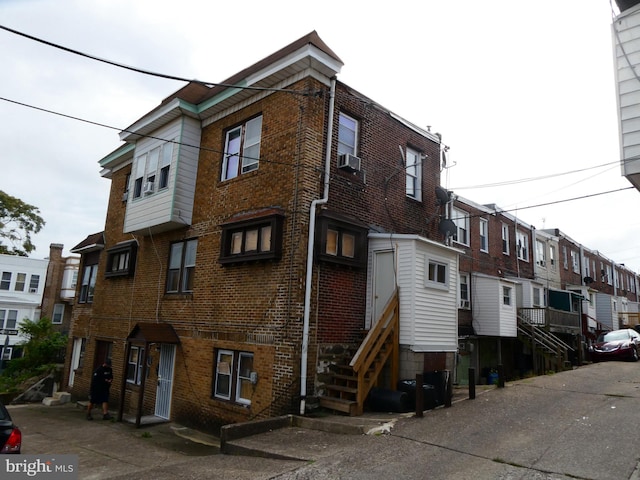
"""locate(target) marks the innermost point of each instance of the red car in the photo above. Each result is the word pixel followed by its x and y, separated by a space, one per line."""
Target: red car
pixel 621 344
pixel 10 435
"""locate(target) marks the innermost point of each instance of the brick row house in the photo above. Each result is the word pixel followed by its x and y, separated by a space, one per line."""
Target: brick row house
pixel 265 246
pixel 281 240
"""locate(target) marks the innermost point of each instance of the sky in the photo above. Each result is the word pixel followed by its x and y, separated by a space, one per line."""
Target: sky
pixel 523 94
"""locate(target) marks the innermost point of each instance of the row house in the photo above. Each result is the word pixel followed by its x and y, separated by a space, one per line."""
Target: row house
pixel 59 288
pixel 270 242
pixel 22 282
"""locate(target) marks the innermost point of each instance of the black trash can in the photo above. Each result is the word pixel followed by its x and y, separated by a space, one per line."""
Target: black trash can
pixel 430 400
pixel 385 400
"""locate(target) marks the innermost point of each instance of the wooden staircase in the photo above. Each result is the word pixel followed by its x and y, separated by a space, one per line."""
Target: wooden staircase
pixel 552 349
pixel 350 384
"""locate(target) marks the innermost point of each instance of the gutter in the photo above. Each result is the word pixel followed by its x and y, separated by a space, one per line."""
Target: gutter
pixel 310 249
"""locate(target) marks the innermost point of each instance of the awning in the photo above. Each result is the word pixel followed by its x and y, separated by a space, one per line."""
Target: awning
pixel 147 332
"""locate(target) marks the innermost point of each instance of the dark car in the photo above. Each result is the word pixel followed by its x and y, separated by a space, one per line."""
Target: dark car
pixel 10 435
pixel 621 344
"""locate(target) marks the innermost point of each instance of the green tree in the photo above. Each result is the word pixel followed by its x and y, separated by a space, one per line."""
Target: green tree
pixel 18 220
pixel 41 348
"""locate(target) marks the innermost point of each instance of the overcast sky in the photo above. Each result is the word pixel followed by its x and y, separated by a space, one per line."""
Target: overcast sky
pixel 518 90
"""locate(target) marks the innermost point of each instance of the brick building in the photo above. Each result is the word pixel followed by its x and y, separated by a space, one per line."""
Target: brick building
pixel 253 237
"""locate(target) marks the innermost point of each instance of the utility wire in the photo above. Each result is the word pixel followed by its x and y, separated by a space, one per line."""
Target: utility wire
pixel 199 147
pixel 148 72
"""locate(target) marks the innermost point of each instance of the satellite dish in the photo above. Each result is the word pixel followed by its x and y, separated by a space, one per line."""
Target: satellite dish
pixel 442 196
pixel 447 227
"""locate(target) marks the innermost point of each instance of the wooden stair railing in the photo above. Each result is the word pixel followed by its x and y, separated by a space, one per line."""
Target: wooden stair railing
pixel 352 383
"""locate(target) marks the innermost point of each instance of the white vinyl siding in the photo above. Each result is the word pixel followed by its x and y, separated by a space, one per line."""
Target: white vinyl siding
pixel 428 316
pixel 170 207
pixel 490 314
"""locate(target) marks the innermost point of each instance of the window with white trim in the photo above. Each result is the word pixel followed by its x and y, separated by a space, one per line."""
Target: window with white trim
pixel 565 258
pixel 34 283
pixel 347 134
pixel 484 235
pixel 58 313
pixel 506 296
pixel 182 265
pixel 505 239
pixel 538 299
pixel 152 170
pixel 574 261
pixel 609 274
pixel 522 242
pixel 541 259
pixel 552 256
pixel 21 281
pixel 413 171
pixel 233 376
pixel 242 149
pixel 461 220
pixel 5 281
pixel 8 319
pixel 88 284
pixel 437 274
pixel 464 291
pixel 134 365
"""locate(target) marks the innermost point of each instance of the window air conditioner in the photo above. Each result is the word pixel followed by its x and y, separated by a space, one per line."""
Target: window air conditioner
pixel 349 162
pixel 148 187
pixel 464 303
pixel 33 290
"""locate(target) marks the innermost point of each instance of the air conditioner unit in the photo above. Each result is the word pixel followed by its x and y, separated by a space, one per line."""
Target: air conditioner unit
pixel 464 303
pixel 148 188
pixel 349 162
pixel 33 290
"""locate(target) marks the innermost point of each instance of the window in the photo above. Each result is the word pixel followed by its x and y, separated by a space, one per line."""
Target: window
pixel 436 274
pixel 234 376
pixel 34 283
pixel 552 256
pixel 565 258
pixel 506 296
pixel 242 149
pixel 523 246
pixel 505 239
pixel 21 280
pixel 58 313
pixel 541 259
pixel 182 265
pixel 609 275
pixel 587 273
pixel 88 284
pixel 5 282
pixel 484 235
pixel 340 241
pixel 347 135
pixel 152 170
pixel 413 169
pixel 461 220
pixel 464 291
pixel 121 259
pixel 258 238
pixel 6 353
pixel 8 319
pixel 574 261
pixel 134 365
pixel 537 297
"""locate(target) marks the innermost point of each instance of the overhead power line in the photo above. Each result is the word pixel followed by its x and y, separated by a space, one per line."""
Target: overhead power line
pixel 149 72
pixel 200 147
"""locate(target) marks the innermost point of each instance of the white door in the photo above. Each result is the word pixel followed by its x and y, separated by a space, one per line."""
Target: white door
pixel 75 359
pixel 384 281
pixel 165 380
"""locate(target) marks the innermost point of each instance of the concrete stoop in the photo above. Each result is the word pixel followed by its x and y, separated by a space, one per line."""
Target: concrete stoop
pixel 59 398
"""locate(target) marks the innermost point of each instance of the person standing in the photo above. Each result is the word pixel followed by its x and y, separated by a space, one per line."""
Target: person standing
pixel 99 391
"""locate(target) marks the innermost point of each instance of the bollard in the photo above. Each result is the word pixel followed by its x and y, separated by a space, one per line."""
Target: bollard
pixel 419 394
pixel 500 376
pixel 472 383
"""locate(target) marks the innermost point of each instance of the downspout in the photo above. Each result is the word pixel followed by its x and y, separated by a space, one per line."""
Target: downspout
pixel 310 249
